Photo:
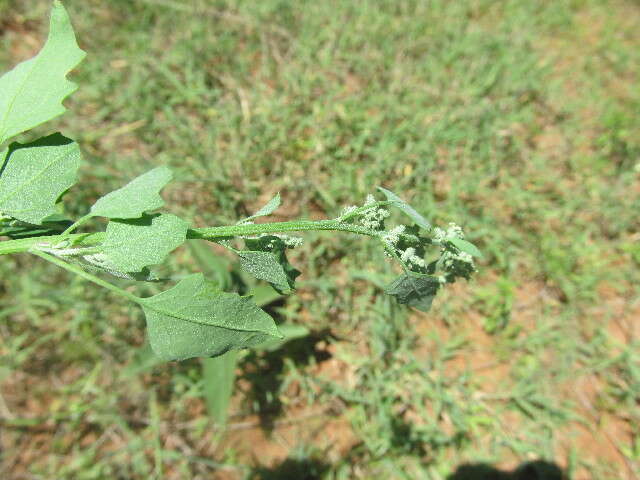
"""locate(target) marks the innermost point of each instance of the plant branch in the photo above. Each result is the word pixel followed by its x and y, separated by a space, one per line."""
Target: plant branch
pixel 77 223
pixel 215 233
pixel 207 233
pixel 84 274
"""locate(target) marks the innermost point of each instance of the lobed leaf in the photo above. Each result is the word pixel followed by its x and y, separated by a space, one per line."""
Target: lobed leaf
pixel 266 260
pixel 134 199
pixel 414 290
pixel 194 319
pixel 266 266
pixel 406 208
pixel 32 93
pixel 35 175
pixel 131 245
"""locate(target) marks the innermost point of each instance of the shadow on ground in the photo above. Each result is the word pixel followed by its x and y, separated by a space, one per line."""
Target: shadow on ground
pixel 293 469
pixel 263 371
pixel 313 469
pixel 538 470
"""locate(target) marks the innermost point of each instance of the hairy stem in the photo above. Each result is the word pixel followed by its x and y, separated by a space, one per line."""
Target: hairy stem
pixel 215 233
pixel 27 244
pixel 208 233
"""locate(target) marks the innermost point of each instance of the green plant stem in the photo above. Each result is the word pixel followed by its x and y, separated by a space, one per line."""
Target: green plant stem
pixel 27 244
pixel 209 233
pixel 77 223
pixel 215 233
pixel 86 275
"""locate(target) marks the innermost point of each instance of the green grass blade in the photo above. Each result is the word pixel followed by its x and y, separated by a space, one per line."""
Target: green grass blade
pixel 218 376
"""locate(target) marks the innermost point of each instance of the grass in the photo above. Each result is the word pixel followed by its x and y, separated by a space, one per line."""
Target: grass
pixel 517 119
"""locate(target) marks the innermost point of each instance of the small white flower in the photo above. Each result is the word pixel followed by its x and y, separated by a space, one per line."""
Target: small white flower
pixel 392 237
pixel 416 260
pixel 459 264
pixel 374 217
pixel 454 231
pixel 465 257
pixel 288 240
pixel 439 235
pixel 407 254
pixel 291 242
pixel 410 258
pixel 348 210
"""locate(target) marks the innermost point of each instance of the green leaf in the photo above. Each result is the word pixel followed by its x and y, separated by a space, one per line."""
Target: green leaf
pixel 465 246
pixel 414 290
pixel 134 199
pixel 35 175
pixel 32 93
pixel 194 319
pixel 268 209
pixel 131 245
pixel 406 208
pixel 218 375
pixel 266 266
pixel 266 260
pixel 263 295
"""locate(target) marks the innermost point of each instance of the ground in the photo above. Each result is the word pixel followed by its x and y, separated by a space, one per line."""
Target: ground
pixel 518 120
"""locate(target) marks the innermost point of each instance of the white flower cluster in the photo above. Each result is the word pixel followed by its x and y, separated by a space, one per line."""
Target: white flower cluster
pixel 459 264
pixel 347 211
pixel 410 258
pixel 453 231
pixel 392 237
pixel 407 256
pixel 450 257
pixel 439 235
pixel 373 217
pixel 288 240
